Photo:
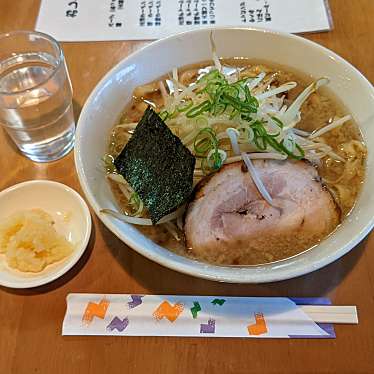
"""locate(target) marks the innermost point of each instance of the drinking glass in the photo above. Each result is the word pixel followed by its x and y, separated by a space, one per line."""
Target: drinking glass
pixel 35 95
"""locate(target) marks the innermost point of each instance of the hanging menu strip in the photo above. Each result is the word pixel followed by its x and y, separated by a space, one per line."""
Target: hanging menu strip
pixel 98 20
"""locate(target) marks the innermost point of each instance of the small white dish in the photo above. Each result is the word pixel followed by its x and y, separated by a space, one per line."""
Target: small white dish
pixel 72 219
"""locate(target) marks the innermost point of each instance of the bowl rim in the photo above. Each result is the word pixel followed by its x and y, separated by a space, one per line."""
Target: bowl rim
pixel 191 267
pixel 67 263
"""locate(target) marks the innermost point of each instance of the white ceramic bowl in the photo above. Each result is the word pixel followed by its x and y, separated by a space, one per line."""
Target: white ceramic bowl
pixel 109 97
pixel 72 219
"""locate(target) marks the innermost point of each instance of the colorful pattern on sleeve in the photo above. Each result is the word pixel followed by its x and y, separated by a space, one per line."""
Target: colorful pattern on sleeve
pixel 204 316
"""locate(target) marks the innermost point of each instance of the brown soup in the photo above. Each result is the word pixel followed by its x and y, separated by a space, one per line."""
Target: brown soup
pixel 343 179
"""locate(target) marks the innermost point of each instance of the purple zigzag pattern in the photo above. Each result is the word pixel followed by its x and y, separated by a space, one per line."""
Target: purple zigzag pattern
pixel 118 324
pixel 208 328
pixel 136 301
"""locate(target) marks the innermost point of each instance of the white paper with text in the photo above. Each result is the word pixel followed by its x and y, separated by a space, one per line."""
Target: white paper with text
pixel 98 20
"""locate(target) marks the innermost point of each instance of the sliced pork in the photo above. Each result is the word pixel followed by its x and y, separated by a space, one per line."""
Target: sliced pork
pixel 229 222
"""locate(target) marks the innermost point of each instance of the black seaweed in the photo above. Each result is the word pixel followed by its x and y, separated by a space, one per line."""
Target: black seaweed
pixel 157 166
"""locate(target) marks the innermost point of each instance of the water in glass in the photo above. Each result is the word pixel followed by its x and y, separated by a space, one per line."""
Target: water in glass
pixel 37 108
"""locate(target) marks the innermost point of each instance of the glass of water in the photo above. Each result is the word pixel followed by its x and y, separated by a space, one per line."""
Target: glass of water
pixel 35 95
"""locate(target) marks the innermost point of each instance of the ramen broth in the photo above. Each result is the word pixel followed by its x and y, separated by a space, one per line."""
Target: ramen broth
pixel 343 179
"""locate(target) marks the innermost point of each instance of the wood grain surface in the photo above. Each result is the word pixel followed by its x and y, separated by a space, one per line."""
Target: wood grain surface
pixel 30 320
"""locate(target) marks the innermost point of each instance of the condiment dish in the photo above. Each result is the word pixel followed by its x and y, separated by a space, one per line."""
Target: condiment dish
pixel 72 219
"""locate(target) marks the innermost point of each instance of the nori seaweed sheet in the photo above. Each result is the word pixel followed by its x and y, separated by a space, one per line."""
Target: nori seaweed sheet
pixel 157 166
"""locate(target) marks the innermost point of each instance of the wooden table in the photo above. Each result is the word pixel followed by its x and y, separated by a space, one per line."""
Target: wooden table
pixel 30 320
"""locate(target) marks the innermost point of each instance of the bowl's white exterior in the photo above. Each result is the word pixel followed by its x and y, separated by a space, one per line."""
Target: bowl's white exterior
pixel 109 97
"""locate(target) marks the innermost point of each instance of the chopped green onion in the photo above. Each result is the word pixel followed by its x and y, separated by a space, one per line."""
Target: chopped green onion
pixel 136 204
pixel 201 122
pixel 108 161
pixel 185 106
pixel 262 139
pixel 216 158
pixel 198 109
pixel 205 140
pixel 164 115
pixel 223 95
pixel 293 155
pixel 212 75
pixel 134 199
pixel 278 122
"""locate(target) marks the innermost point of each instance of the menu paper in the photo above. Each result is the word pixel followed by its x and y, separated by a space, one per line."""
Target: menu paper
pixel 95 20
pixel 197 316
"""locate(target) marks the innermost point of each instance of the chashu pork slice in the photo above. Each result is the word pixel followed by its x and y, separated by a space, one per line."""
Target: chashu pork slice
pixel 229 222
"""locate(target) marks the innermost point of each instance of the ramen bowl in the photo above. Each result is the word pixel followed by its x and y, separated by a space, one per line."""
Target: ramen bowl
pixel 106 102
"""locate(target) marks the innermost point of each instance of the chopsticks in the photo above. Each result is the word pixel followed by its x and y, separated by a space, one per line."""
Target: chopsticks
pixel 331 313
